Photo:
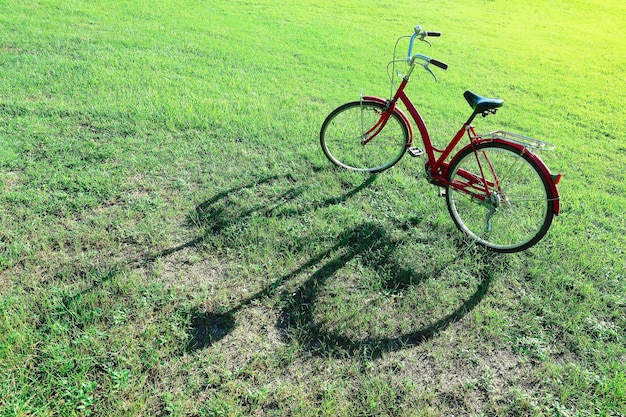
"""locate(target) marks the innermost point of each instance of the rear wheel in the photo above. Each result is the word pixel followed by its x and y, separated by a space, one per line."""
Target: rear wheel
pixel 343 131
pixel 511 209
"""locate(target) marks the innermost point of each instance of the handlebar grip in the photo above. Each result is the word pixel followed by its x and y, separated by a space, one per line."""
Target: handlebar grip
pixel 439 64
pixel 433 33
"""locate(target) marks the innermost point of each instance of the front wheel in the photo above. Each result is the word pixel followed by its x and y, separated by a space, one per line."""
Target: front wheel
pixel 499 197
pixel 343 131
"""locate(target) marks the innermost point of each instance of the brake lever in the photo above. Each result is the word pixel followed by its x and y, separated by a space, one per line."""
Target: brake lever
pixel 427 68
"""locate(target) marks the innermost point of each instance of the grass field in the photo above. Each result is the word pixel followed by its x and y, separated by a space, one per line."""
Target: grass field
pixel 173 241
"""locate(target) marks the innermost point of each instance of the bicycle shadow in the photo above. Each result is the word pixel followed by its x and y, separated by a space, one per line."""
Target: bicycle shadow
pixel 368 242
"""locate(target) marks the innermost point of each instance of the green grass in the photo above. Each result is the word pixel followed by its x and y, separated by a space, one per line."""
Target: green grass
pixel 173 241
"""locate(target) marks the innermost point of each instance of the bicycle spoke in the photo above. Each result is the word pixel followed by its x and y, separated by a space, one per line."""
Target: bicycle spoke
pixel 502 178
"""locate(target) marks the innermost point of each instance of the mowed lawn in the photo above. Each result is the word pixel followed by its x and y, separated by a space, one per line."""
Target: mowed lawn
pixel 173 241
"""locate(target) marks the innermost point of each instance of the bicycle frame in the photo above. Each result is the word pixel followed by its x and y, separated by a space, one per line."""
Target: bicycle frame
pixel 436 165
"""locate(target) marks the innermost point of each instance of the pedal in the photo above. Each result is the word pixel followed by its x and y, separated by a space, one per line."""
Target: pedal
pixel 414 151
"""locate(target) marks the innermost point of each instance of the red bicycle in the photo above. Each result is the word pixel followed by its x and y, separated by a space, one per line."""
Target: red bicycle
pixel 498 191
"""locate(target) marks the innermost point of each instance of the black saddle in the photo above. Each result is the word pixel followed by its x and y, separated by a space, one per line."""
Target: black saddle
pixel 481 104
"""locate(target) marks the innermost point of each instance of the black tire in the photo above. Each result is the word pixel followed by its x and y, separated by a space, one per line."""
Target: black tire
pixel 521 207
pixel 342 133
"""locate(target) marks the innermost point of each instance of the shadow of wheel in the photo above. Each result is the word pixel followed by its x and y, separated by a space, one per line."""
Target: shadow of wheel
pixel 298 321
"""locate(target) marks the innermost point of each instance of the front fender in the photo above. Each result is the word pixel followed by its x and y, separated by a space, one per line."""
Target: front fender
pixel 545 171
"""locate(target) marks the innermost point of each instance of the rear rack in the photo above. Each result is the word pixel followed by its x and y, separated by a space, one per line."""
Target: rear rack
pixel 522 140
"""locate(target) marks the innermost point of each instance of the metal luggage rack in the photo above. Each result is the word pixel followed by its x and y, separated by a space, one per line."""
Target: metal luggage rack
pixel 522 140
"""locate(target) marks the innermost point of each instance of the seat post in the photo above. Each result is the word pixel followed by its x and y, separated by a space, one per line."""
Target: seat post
pixel 471 119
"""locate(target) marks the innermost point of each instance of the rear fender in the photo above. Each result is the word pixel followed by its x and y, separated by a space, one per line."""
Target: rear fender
pixel 397 111
pixel 545 171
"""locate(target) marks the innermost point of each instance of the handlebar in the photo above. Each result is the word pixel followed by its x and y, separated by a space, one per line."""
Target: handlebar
pixel 422 35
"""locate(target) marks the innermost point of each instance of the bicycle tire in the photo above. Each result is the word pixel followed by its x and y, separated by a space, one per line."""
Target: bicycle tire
pixel 521 207
pixel 341 137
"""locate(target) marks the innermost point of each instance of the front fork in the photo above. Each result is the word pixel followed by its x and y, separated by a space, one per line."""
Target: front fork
pixel 370 134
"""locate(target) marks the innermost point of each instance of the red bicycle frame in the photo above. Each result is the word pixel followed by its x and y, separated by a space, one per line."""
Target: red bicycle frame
pixel 436 166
